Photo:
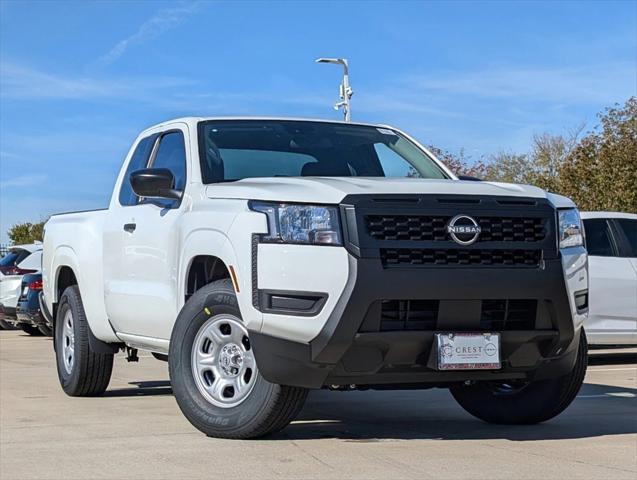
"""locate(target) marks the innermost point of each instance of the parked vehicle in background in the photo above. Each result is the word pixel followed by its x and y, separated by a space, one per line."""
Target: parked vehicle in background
pixel 611 241
pixel 19 261
pixel 28 314
pixel 270 256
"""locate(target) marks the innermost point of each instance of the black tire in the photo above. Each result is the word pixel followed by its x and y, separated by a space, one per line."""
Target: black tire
pixel 4 325
pixel 90 371
pixel 266 409
pixel 46 331
pixel 30 329
pixel 524 404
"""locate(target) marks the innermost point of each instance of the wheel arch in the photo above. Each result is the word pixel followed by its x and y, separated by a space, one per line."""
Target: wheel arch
pixel 202 270
pixel 65 272
pixel 214 249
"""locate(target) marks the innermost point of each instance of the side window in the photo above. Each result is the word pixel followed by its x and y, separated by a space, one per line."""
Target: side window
pixel 137 162
pixel 393 164
pixel 599 240
pixel 630 231
pixel 171 154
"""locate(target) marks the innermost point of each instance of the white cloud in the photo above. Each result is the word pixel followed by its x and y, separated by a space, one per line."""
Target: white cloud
pixel 23 181
pixel 24 83
pixel 596 83
pixel 8 155
pixel 164 20
pixel 20 82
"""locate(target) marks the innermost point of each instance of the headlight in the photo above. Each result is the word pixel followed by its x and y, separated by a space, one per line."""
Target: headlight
pixel 570 228
pixel 305 224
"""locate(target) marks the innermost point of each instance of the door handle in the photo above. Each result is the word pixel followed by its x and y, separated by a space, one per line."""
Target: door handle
pixel 130 227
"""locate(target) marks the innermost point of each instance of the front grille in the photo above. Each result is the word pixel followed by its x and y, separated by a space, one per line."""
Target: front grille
pixel 398 315
pixel 408 256
pixel 421 228
pixel 496 315
pixel 508 314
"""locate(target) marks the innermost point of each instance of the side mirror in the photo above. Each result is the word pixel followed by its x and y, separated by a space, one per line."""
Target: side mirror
pixel 469 178
pixel 154 182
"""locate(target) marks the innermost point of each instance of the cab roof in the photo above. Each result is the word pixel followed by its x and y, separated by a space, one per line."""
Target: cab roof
pixel 194 120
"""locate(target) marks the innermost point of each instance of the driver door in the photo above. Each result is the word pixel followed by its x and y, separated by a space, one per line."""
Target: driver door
pixel 143 240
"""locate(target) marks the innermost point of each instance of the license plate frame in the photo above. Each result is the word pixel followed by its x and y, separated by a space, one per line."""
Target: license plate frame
pixel 468 351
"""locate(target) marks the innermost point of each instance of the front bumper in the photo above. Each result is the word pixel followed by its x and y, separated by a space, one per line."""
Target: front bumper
pixel 353 348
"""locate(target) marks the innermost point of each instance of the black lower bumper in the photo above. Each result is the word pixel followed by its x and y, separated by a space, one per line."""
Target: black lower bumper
pixel 32 317
pixel 355 348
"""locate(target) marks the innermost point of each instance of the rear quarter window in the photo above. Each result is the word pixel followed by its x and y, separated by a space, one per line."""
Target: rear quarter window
pixel 629 227
pixel 599 239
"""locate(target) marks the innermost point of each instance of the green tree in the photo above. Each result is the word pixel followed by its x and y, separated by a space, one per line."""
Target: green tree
pixel 23 233
pixel 600 173
pixel 548 155
pixel 510 168
pixel 459 164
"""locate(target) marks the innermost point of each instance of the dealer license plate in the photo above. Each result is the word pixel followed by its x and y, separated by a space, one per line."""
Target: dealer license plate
pixel 468 351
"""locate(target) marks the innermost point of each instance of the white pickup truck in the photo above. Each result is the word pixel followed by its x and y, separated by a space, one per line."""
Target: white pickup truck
pixel 266 257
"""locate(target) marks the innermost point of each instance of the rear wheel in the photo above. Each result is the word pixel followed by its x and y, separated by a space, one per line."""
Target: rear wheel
pixel 82 372
pixel 30 329
pixel 520 402
pixel 45 330
pixel 214 374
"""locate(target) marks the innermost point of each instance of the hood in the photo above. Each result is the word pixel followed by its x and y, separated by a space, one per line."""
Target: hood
pixel 332 190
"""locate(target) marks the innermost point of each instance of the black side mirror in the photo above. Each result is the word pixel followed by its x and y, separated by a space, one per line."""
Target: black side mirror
pixel 469 177
pixel 154 182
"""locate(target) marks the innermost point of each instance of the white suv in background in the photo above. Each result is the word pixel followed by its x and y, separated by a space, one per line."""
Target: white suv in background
pixel 611 240
pixel 20 260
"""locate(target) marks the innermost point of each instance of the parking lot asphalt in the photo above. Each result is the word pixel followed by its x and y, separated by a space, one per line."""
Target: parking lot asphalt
pixel 137 431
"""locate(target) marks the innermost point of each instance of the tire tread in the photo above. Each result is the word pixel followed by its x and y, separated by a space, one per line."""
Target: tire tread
pixel 539 402
pixel 282 407
pixel 95 369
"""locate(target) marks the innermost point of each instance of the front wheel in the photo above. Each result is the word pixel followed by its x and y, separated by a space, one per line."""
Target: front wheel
pixel 524 403
pixel 214 374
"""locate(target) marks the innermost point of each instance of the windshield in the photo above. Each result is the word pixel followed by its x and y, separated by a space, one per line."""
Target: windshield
pixel 236 149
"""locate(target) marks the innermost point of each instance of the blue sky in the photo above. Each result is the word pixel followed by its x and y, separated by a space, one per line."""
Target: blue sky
pixel 79 80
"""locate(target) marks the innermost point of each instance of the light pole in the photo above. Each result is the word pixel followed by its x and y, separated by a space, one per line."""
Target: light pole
pixel 345 91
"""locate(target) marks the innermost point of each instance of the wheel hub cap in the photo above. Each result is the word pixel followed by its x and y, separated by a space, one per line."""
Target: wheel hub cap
pixel 230 359
pixel 68 342
pixel 223 363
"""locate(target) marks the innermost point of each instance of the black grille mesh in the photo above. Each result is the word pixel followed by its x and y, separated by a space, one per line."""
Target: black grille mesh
pixel 398 315
pixel 508 314
pixel 409 256
pixel 496 315
pixel 434 228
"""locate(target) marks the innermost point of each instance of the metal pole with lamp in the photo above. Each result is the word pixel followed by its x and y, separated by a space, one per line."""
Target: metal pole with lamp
pixel 345 91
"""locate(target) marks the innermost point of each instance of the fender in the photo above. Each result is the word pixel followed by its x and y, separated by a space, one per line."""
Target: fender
pixel 92 299
pixel 213 242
